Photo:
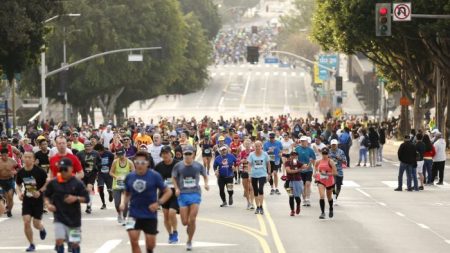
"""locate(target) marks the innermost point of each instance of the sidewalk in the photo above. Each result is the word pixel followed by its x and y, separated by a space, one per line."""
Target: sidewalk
pixel 391 148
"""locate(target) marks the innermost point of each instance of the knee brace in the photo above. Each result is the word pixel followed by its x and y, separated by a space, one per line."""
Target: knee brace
pixel 229 187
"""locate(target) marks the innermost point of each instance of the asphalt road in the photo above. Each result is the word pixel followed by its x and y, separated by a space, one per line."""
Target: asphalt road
pixel 370 217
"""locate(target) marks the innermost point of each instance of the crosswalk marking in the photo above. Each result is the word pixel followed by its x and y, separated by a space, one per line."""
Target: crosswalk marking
pixel 350 184
pixel 22 248
pixel 392 184
pixel 275 73
pixel 194 244
pixel 222 73
pixel 293 74
pixel 108 246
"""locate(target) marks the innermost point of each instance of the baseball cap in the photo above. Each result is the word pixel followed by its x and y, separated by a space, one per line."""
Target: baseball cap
pixel 120 152
pixel 87 143
pixel 303 138
pixel 334 141
pixel 221 138
pixel 294 153
pixel 166 149
pixel 40 137
pixel 224 147
pixel 75 133
pixel 188 149
pixel 272 135
pixel 65 163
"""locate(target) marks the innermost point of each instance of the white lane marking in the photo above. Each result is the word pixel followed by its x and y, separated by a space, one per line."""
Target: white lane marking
pixel 284 73
pixel 423 226
pixel 447 241
pixel 400 214
pixel 247 84
pixel 194 244
pixel 222 73
pixel 392 184
pixel 108 246
pixel 3 219
pixel 22 248
pixel 381 203
pixel 363 192
pixel 350 184
pixel 275 73
pixel 293 74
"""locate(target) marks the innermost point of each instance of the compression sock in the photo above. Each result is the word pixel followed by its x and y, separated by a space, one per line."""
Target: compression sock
pixel 291 203
pixel 59 248
pixel 76 250
pixel 298 200
pixel 330 202
pixel 102 194
pixel 149 250
pixel 322 205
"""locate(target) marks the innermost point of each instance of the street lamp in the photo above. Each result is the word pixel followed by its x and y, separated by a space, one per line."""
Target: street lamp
pixel 43 67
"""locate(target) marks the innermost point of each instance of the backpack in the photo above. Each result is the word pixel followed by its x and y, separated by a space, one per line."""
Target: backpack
pixel 366 142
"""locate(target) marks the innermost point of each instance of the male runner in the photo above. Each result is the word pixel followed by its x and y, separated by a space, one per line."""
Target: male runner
pixel 103 176
pixel 155 148
pixel 338 156
pixel 33 179
pixel 7 172
pixel 170 208
pixel 62 152
pixel 42 156
pixel 186 177
pixel 90 161
pixel 141 188
pixel 306 156
pixel 224 167
pixel 273 148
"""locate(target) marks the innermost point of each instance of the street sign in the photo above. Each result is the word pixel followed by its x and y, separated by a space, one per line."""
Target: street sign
pixel 402 11
pixel 329 61
pixel 271 60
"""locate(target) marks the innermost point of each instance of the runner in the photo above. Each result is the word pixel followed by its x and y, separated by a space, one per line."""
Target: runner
pixel 273 149
pixel 62 152
pixel 120 168
pixel 287 143
pixel 103 177
pixel 90 161
pixel 63 197
pixel 42 156
pixel 186 177
pixel 7 173
pixel 259 162
pixel 338 156
pixel 206 146
pixel 130 150
pixel 306 156
pixel 155 148
pixel 33 180
pixel 294 182
pixel 141 188
pixel 325 170
pixel 235 147
pixel 244 168
pixel 170 208
pixel 224 167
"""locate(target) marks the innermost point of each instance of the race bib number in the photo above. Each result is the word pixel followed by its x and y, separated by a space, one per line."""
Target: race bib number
pixel 189 182
pixel 120 183
pixel 104 169
pixel 169 183
pixel 259 164
pixel 130 223
pixel 323 176
pixel 75 235
pixel 30 186
pixel 89 166
pixel 272 157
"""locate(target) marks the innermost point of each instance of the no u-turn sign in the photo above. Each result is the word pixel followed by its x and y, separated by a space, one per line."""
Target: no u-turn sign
pixel 402 12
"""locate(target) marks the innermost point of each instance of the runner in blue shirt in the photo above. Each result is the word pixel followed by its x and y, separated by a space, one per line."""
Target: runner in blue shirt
pixel 306 156
pixel 273 148
pixel 259 162
pixel 224 167
pixel 141 188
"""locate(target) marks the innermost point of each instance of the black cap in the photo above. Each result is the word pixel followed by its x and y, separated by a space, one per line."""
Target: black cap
pixel 65 163
pixel 166 149
pixel 325 151
pixel 272 135
pixel 120 152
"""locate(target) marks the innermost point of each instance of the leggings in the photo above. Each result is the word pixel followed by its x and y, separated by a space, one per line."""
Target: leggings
pixel 225 182
pixel 117 194
pixel 258 185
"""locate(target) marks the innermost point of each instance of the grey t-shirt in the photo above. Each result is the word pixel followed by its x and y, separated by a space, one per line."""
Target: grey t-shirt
pixel 188 176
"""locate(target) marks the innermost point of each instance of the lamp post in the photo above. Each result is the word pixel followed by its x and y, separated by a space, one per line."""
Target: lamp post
pixel 44 70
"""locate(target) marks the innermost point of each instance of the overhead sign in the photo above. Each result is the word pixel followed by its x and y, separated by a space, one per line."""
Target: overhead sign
pixel 329 61
pixel 271 60
pixel 402 11
pixel 317 79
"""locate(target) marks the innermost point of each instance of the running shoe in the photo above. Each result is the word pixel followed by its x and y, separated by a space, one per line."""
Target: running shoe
pixel 272 192
pixel 9 214
pixel 308 203
pixel 297 210
pixel 252 207
pixel 261 210
pixel 440 183
pixel 224 204
pixel 43 234
pixel 189 246
pixel 421 188
pixel 110 197
pixel 257 210
pixel 31 248
pixel 292 213
pixel 103 207
pixel 322 216
pixel 175 237
pixel 119 219
pixel 331 214
pixel 88 210
pixel 277 192
pixel 170 238
pixel 398 189
pixel 248 206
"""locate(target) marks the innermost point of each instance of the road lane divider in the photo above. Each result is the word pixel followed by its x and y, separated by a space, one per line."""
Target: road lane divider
pixel 108 246
pixel 276 236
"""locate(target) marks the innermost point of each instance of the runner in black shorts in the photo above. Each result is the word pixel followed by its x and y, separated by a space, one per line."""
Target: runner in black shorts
pixel 207 151
pixel 103 176
pixel 170 208
pixel 90 161
pixel 244 168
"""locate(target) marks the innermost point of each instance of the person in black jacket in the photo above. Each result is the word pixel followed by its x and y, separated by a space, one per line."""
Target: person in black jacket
pixel 407 157
pixel 374 145
pixel 382 135
pixel 421 148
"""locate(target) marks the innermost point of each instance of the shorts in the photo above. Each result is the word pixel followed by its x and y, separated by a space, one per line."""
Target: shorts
pixel 244 175
pixel 188 199
pixel 33 207
pixel 297 188
pixel 420 167
pixel 7 184
pixel 89 178
pixel 104 178
pixel 306 176
pixel 274 167
pixel 206 155
pixel 62 231
pixel 286 155
pixel 329 188
pixel 149 226
pixel 172 203
pixel 338 180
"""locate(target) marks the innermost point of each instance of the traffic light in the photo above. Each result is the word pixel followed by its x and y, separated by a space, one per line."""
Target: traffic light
pixel 252 54
pixel 383 19
pixel 338 83
pixel 339 100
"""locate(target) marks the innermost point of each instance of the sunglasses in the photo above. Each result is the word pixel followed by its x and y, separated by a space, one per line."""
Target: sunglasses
pixel 140 162
pixel 188 153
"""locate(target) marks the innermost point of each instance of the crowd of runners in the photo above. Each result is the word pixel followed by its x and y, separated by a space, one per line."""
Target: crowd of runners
pixel 144 167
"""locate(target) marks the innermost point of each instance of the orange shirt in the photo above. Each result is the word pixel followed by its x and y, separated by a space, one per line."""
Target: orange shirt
pixel 143 139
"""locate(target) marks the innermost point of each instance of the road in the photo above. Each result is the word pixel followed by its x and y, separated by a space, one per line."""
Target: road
pixel 370 217
pixel 241 90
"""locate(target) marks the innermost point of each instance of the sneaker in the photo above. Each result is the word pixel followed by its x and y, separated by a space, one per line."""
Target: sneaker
pixel 440 183
pixel 358 165
pixel 88 210
pixel 175 237
pixel 43 234
pixel 398 189
pixel 364 165
pixel 272 192
pixel 224 204
pixel 421 188
pixel 31 248
pixel 252 207
pixel 322 216
pixel 292 213
pixel 331 214
pixel 9 214
pixel 248 206
pixel 297 210
pixel 103 207
pixel 189 246
pixel 277 192
pixel 410 189
pixel 257 210
pixel 120 219
pixel 308 203
pixel 110 197
pixel 230 201
pixel 304 203
pixel 261 210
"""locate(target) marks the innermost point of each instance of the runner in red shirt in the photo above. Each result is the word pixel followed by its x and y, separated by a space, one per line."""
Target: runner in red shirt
pixel 235 147
pixel 61 145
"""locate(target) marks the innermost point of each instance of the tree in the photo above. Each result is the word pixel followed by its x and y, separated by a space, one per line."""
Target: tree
pixel 206 12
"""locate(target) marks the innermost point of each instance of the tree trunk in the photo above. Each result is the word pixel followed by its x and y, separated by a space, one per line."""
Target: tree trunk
pixel 108 103
pixel 447 118
pixel 73 118
pixel 120 117
pixel 84 111
pixel 92 115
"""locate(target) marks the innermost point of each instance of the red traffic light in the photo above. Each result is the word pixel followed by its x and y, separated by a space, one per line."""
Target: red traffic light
pixel 383 11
